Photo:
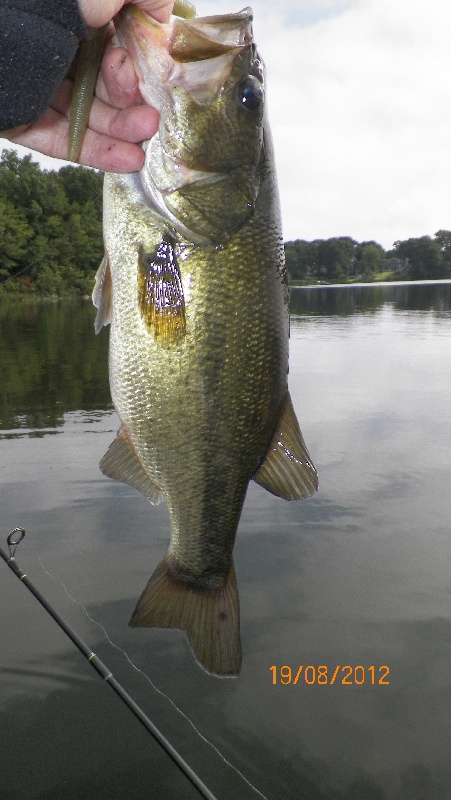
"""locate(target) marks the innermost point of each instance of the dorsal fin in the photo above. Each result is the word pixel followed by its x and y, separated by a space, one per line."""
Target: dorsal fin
pixel 287 470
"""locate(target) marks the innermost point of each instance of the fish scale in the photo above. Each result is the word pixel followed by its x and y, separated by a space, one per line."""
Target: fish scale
pixel 195 290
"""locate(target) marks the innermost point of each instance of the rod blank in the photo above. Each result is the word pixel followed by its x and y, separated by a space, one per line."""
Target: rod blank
pixel 102 669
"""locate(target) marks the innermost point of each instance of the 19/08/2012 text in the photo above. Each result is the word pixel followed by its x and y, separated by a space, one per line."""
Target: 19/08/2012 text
pixel 322 675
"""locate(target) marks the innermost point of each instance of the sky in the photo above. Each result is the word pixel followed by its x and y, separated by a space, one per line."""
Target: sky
pixel 359 100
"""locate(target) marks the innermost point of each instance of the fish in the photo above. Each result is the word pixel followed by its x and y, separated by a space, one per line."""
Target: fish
pixel 194 286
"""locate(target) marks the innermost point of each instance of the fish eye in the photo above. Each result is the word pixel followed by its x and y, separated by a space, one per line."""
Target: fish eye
pixel 250 93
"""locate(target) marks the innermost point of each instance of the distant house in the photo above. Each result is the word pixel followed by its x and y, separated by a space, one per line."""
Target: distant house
pixel 399 265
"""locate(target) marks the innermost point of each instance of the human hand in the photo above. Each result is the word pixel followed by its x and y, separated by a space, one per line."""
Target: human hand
pixel 96 13
pixel 118 120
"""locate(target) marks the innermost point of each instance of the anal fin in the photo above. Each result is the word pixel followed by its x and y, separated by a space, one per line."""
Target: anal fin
pixel 287 470
pixel 211 618
pixel 121 463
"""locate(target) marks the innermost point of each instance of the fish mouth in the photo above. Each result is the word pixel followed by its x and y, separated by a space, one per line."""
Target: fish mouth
pixel 162 51
pixel 183 40
pixel 197 57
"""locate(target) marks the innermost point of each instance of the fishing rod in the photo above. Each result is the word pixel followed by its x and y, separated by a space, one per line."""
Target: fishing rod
pixel 13 540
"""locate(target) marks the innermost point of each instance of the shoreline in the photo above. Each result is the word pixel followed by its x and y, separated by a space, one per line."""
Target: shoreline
pixel 32 296
pixel 369 284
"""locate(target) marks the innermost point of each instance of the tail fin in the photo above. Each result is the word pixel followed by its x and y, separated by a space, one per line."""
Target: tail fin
pixel 211 618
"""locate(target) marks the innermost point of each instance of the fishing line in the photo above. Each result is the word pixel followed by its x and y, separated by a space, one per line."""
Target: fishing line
pixel 14 539
pixel 153 685
pixel 16 274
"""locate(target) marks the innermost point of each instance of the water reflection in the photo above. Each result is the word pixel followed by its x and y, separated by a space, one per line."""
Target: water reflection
pixel 347 300
pixel 359 574
pixel 51 363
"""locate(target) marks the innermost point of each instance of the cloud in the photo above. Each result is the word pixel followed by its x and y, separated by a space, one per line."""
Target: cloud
pixel 361 118
pixel 298 12
pixel 360 110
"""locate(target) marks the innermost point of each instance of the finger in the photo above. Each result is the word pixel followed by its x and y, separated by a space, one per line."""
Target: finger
pixel 50 136
pixel 110 154
pixel 118 83
pixel 133 124
pixel 96 15
pixel 11 133
pixel 158 9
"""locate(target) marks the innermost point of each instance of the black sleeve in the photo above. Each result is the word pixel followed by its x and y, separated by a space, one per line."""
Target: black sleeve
pixel 38 42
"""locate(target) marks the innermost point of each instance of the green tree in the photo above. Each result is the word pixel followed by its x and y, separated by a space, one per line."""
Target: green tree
pixel 425 259
pixel 301 259
pixel 336 257
pixel 81 185
pixel 444 240
pixel 15 234
pixel 50 226
pixel 368 259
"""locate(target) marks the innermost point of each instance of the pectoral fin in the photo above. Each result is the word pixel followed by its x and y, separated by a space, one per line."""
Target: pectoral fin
pixel 211 619
pixel 287 470
pixel 160 293
pixel 121 463
pixel 102 296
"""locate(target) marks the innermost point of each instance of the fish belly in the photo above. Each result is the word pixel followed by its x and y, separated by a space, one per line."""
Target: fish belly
pixel 200 412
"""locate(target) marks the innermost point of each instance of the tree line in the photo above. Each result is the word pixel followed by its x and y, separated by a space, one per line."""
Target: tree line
pixel 51 238
pixel 342 259
pixel 50 227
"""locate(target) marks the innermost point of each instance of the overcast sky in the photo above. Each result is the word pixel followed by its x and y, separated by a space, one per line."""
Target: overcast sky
pixel 359 96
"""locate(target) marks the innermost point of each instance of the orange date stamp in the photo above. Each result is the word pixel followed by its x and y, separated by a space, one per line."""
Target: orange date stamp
pixel 322 675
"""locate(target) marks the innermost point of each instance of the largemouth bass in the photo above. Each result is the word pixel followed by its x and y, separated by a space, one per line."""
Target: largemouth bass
pixel 194 285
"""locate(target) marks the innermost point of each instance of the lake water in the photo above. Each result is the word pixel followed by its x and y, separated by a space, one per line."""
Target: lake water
pixel 355 579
